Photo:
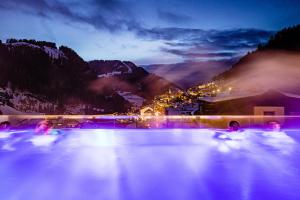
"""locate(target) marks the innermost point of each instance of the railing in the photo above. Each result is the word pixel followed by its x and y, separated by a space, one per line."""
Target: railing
pixel 113 121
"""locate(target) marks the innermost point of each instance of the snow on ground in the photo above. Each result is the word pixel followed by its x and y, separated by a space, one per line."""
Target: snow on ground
pixel 132 98
pixel 24 102
pixel 22 44
pixel 129 68
pixel 29 104
pixel 113 73
pixel 7 110
pixel 109 74
pixel 2 90
pixel 52 52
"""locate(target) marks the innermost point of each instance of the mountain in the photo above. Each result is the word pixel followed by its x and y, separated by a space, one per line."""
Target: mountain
pixel 39 73
pixel 125 76
pixel 190 73
pixel 275 65
pixel 41 68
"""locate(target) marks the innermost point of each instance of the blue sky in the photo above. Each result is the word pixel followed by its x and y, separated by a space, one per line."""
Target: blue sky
pixel 149 31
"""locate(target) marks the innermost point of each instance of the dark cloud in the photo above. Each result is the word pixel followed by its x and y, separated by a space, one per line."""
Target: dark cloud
pixel 117 15
pixel 210 44
pixel 192 37
pixel 235 38
pixel 205 52
pixel 173 17
pixel 111 5
pixel 101 17
pixel 169 34
pixel 195 54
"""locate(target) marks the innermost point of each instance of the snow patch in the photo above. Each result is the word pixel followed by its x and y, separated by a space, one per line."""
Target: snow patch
pixel 22 44
pixel 129 68
pixel 52 52
pixel 7 110
pixel 24 102
pixel 109 74
pixel 132 98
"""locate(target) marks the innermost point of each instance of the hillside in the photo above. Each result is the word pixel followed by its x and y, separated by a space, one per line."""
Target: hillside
pixel 188 74
pixel 275 65
pixel 61 78
pixel 126 76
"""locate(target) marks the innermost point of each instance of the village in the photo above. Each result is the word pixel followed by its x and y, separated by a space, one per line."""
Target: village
pixel 216 99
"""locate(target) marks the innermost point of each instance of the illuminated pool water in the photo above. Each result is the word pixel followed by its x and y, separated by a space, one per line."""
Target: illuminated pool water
pixel 140 164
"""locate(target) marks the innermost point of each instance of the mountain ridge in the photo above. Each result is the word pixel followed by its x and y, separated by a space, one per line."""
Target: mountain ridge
pixel 62 77
pixel 264 67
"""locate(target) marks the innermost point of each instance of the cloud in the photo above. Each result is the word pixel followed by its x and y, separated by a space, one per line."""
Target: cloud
pixel 99 11
pixel 117 15
pixel 114 15
pixel 205 53
pixel 112 5
pixel 194 54
pixel 192 37
pixel 199 43
pixel 173 17
pixel 169 34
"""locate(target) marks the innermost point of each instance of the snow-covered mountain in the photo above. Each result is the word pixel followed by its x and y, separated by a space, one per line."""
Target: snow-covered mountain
pixel 38 77
pixel 190 73
pixel 127 79
pixel 52 51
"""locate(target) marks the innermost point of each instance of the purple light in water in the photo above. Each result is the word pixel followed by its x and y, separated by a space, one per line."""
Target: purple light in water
pixel 129 163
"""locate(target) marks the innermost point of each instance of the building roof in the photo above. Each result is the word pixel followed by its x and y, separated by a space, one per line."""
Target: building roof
pixel 245 95
pixel 245 105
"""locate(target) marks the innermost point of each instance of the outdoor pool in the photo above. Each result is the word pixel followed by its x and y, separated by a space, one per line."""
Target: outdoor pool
pixel 149 164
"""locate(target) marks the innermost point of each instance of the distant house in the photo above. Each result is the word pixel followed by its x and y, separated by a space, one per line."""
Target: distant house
pixel 185 109
pixel 268 103
pixel 147 111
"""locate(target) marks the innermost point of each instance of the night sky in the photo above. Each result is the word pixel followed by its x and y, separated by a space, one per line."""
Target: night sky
pixel 149 31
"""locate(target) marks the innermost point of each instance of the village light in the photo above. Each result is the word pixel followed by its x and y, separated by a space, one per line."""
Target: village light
pixel 156 113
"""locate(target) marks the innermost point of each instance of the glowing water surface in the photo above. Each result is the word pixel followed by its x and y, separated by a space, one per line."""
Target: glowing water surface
pixel 155 164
